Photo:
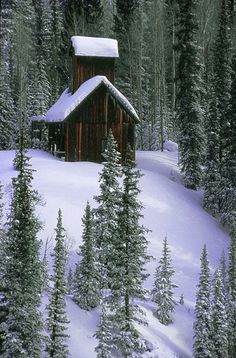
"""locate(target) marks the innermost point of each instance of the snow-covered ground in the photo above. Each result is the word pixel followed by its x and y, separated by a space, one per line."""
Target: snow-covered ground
pixel 169 210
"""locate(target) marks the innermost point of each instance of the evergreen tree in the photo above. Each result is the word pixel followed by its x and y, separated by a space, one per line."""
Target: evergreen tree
pixel 219 318
pixel 57 320
pixel 2 272
pixel 163 287
pixel 56 77
pixel 123 20
pixel 106 214
pixel 202 347
pixel 104 334
pixel 189 112
pixel 23 277
pixel 232 293
pixel 86 281
pixel 212 177
pixel 7 110
pixel 128 257
pixel 227 192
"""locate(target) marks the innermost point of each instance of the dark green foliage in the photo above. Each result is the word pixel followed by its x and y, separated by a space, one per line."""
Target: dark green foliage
pixel 163 290
pixel 219 318
pixel 189 111
pixel 106 214
pixel 7 109
pixel 232 293
pixel 202 347
pixel 128 257
pixel 104 334
pixel 57 320
pixel 86 280
pixel 23 276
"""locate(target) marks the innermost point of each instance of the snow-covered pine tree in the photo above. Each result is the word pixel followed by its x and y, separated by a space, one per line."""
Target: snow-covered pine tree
pixel 123 19
pixel 56 77
pixel 219 322
pixel 57 320
pixel 202 347
pixel 163 290
pixel 2 272
pixel 7 112
pixel 86 280
pixel 227 191
pixel 73 24
pixel 104 334
pixel 128 259
pixel 93 13
pixel 189 111
pixel 212 173
pixel 106 214
pixel 232 293
pixel 223 271
pixel 23 277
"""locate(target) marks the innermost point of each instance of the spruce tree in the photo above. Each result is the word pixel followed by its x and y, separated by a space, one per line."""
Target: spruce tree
pixel 212 176
pixel 106 214
pixel 128 257
pixel 202 347
pixel 86 280
pixel 7 112
pixel 163 290
pixel 232 293
pixel 23 277
pixel 2 271
pixel 104 334
pixel 57 320
pixel 189 111
pixel 219 322
pixel 227 193
pixel 56 77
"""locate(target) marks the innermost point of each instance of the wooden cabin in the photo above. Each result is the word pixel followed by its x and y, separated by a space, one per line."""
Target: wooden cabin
pixel 79 122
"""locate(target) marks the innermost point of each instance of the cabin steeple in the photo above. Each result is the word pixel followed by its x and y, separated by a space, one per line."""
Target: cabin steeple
pixel 93 56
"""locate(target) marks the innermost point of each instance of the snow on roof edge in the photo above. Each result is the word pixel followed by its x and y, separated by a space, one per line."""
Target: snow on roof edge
pixel 68 102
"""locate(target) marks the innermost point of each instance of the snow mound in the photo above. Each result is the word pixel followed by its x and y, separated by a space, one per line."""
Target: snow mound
pixel 170 146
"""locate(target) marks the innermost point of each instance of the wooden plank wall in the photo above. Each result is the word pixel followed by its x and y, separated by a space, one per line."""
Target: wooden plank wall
pixel 85 68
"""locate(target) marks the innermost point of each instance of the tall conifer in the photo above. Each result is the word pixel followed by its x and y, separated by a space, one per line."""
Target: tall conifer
pixel 202 347
pixel 189 111
pixel 23 323
pixel 57 320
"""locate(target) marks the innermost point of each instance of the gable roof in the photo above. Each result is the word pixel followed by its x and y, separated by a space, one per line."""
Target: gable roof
pixel 68 102
pixel 94 46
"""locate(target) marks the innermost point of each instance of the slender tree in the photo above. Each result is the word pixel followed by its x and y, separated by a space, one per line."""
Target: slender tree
pixel 57 320
pixel 129 255
pixel 219 318
pixel 22 326
pixel 202 347
pixel 86 280
pixel 104 334
pixel 106 214
pixel 232 293
pixel 163 290
pixel 189 112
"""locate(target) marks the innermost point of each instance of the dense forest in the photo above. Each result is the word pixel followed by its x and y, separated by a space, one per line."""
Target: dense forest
pixel 177 66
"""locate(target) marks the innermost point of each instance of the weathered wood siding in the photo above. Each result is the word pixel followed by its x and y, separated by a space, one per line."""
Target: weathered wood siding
pixel 85 68
pixel 87 128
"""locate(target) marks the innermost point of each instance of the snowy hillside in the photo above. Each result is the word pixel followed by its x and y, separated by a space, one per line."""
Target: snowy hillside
pixel 170 210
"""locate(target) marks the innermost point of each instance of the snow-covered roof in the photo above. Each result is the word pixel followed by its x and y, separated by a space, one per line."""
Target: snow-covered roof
pixel 95 46
pixel 68 102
